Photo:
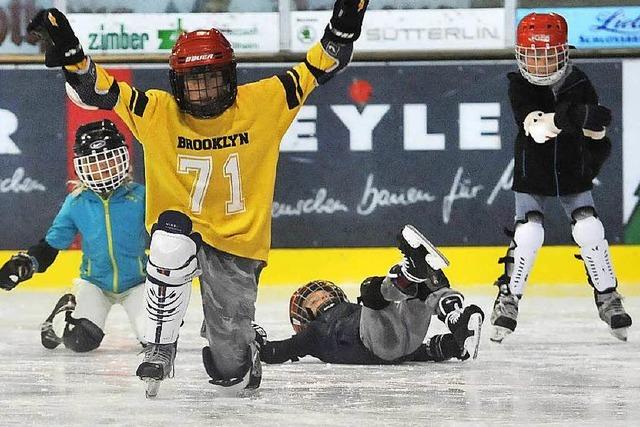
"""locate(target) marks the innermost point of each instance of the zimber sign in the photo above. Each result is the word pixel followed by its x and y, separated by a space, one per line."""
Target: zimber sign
pixel 478 127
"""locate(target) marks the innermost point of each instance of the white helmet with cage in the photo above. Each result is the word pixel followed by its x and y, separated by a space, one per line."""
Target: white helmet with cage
pixel 101 158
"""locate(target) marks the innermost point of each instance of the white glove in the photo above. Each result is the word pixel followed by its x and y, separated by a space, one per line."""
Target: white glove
pixel 540 126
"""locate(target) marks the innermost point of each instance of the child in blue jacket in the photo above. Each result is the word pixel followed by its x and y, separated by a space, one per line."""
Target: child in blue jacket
pixel 107 208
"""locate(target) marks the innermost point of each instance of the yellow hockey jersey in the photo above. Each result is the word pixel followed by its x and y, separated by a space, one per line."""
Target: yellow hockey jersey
pixel 219 171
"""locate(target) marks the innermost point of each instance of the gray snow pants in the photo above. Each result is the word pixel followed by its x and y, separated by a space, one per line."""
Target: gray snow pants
pixel 229 287
pixel 398 329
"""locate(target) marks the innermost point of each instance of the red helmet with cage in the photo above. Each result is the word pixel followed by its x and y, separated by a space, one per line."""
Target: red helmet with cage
pixel 542 49
pixel 203 73
pixel 312 299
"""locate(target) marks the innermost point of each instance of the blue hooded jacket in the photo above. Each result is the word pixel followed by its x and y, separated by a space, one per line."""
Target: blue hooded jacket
pixel 114 238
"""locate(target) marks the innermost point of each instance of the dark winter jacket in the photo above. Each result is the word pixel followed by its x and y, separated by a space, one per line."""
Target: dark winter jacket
pixel 563 165
pixel 333 337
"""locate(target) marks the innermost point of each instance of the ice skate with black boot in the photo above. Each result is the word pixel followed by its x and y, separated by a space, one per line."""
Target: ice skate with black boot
pixel 612 312
pixel 504 317
pixel 156 365
pixel 66 304
pixel 466 325
pixel 421 260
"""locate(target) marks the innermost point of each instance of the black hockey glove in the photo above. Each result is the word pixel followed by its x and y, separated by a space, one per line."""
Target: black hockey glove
pixel 346 23
pixel 62 47
pixel 18 269
pixel 589 116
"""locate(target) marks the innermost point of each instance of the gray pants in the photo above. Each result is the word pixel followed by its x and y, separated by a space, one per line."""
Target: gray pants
pixel 531 202
pixel 229 287
pixel 398 329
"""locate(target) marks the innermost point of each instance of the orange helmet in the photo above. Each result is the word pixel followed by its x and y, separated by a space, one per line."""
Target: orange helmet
pixel 203 73
pixel 312 299
pixel 542 49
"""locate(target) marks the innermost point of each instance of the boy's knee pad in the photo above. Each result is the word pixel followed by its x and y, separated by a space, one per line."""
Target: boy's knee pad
pixel 81 335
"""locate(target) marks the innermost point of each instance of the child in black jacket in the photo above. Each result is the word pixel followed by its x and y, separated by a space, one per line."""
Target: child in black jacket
pixel 391 323
pixel 560 148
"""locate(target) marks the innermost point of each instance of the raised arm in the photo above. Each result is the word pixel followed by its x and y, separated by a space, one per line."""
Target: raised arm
pixel 89 85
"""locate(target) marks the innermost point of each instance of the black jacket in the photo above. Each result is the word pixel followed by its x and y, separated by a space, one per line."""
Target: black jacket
pixel 333 337
pixel 563 165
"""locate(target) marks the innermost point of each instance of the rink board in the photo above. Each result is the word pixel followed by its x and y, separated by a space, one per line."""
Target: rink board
pixel 554 273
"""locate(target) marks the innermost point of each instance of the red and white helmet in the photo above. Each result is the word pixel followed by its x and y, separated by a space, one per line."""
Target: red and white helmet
pixel 542 49
pixel 312 299
pixel 203 73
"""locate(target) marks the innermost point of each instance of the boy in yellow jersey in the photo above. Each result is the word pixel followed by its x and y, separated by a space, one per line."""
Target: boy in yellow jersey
pixel 210 151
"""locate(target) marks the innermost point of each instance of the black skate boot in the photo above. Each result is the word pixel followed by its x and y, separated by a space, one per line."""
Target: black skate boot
pixel 66 304
pixel 156 366
pixel 421 260
pixel 612 312
pixel 465 325
pixel 504 317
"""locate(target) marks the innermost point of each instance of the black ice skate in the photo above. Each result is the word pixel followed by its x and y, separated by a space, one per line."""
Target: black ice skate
pixel 156 366
pixel 48 337
pixel 504 317
pixel 421 257
pixel 613 313
pixel 466 326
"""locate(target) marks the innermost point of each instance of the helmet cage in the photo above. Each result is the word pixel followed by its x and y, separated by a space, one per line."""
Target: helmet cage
pixel 542 66
pixel 311 299
pixel 205 91
pixel 103 170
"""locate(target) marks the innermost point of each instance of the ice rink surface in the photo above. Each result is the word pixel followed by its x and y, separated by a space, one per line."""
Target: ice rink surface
pixel 561 367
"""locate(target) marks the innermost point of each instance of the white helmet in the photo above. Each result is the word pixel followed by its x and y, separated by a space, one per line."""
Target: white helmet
pixel 101 158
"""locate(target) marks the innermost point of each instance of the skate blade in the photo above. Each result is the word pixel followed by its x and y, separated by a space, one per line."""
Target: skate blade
pixel 499 333
pixel 472 343
pixel 434 258
pixel 151 386
pixel 620 333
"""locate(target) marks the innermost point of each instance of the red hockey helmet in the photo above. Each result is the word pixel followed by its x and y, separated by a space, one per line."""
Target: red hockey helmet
pixel 542 49
pixel 312 299
pixel 203 73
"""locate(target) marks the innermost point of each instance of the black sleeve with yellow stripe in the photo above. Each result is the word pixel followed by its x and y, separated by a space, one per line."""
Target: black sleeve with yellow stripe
pixel 90 86
pixel 323 61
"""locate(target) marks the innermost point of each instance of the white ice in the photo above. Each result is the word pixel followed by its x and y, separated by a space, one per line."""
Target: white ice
pixel 561 367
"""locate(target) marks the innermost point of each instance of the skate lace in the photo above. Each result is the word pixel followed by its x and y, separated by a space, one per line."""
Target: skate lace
pixel 507 305
pixel 158 354
pixel 613 304
pixel 454 316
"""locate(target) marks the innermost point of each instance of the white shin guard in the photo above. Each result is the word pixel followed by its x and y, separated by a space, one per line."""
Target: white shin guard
pixel 588 233
pixel 171 269
pixel 528 239
pixel 166 307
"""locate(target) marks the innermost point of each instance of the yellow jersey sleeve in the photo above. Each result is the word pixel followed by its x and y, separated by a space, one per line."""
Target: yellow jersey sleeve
pixel 280 97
